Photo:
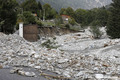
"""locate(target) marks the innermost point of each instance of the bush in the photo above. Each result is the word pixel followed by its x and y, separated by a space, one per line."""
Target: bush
pixel 96 32
pixel 51 44
pixel 39 23
pixel 75 28
pixel 67 26
pixel 72 21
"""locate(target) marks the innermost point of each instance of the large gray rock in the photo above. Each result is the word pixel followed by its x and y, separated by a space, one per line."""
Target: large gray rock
pixel 30 74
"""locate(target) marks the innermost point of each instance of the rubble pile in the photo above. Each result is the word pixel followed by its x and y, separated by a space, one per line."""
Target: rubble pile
pixel 95 62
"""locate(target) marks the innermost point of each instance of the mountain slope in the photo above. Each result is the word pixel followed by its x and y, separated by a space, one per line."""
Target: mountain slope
pixel 75 4
pixel 84 4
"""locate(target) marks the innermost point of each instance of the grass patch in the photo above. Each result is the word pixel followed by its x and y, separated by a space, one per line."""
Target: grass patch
pixel 48 23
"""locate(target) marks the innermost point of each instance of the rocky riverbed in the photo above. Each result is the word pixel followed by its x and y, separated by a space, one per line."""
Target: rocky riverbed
pixel 78 57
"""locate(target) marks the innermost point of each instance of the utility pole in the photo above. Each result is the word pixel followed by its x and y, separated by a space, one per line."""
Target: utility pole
pixel 43 14
pixel 40 15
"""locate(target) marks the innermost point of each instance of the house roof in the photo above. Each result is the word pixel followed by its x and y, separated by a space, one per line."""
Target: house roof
pixel 66 16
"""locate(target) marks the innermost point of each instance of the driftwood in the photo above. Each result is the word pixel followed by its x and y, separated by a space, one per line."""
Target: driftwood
pixel 55 77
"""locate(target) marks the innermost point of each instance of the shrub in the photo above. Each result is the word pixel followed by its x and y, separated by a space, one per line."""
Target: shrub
pixel 67 26
pixel 39 23
pixel 75 28
pixel 72 21
pixel 51 44
pixel 96 32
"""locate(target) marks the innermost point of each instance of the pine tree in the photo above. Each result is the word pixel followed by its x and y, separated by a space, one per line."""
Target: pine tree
pixel 39 6
pixel 30 5
pixel 113 27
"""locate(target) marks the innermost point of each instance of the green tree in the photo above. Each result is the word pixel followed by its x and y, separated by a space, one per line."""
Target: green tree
pixel 48 11
pixel 72 21
pixel 89 17
pixel 113 27
pixel 58 20
pixel 97 14
pixel 28 18
pixel 102 15
pixel 30 5
pixel 63 11
pixel 39 6
pixel 39 12
pixel 80 15
pixel 68 11
pixel 53 13
pixel 8 14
